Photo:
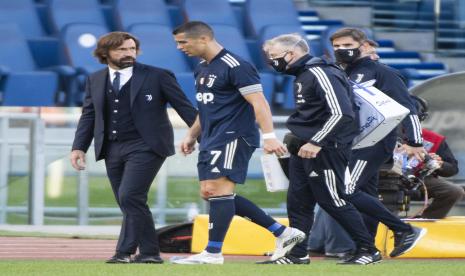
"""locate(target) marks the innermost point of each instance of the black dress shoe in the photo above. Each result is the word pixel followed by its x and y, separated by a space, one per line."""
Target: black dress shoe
pixel 147 259
pixel 119 258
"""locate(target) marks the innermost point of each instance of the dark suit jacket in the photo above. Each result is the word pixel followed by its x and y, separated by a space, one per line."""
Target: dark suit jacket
pixel 150 117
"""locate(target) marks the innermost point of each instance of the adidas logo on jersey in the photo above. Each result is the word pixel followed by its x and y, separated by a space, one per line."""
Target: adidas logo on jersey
pixel 215 170
pixel 205 97
pixel 313 174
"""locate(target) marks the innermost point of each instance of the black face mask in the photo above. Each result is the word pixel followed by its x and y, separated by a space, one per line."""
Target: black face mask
pixel 347 56
pixel 279 64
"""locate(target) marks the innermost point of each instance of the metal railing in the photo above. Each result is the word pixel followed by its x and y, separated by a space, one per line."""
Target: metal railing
pixel 34 125
pixel 36 166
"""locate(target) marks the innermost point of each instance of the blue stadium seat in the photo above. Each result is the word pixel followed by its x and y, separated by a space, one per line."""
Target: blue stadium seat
pixel 130 12
pixel 160 47
pixel 420 66
pixel 385 43
pixel 402 57
pixel 315 28
pixel 268 84
pixel 231 38
pixel 24 14
pixel 65 12
pixel 30 89
pixel 262 13
pixel 275 30
pixel 211 12
pixel 20 82
pixel 186 81
pixel 79 41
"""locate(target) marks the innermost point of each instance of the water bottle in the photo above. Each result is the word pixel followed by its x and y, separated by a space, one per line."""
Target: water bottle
pixel 410 165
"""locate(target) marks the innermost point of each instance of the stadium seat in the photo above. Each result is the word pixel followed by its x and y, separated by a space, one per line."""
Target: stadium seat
pixel 405 57
pixel 268 84
pixel 211 12
pixel 79 41
pixel 30 89
pixel 262 13
pixel 131 12
pixel 187 83
pixel 275 30
pixel 65 12
pixel 21 84
pixel 24 14
pixel 416 76
pixel 231 38
pixel 314 29
pixel 421 66
pixel 159 48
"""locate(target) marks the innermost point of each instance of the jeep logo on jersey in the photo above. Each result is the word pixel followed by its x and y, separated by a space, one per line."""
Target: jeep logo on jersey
pixel 211 80
pixel 205 97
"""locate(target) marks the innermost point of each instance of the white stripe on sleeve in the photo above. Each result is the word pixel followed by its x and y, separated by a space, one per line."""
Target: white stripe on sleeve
pixel 332 101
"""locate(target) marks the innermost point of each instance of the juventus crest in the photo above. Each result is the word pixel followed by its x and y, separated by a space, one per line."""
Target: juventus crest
pixel 211 80
pixel 359 78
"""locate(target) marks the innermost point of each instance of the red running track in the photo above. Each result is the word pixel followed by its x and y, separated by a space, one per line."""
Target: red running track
pixel 32 248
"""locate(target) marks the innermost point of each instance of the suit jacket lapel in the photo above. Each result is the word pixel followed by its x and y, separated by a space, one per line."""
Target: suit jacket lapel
pixel 138 75
pixel 99 88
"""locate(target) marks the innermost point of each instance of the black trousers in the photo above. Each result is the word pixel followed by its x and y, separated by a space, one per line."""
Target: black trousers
pixel 321 180
pixel 131 167
pixel 363 191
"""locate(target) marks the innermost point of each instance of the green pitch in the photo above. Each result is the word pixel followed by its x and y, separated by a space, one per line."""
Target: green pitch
pixel 326 268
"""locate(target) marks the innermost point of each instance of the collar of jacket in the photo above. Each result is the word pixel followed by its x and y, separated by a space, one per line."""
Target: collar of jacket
pixel 359 62
pixel 303 64
pixel 298 66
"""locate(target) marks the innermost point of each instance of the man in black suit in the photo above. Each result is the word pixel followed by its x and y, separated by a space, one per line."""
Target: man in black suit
pixel 124 111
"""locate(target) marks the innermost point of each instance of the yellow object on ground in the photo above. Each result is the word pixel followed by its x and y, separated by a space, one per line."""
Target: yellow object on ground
pixel 243 237
pixel 445 238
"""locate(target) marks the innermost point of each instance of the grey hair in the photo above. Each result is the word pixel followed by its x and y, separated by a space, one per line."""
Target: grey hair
pixel 287 41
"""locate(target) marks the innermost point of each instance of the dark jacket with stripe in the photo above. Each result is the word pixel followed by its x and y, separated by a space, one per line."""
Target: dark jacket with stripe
pixel 389 81
pixel 325 113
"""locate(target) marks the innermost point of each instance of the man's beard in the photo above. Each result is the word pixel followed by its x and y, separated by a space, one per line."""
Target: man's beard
pixel 123 62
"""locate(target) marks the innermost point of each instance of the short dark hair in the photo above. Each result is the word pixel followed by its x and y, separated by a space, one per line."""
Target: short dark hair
pixel 357 34
pixel 194 29
pixel 111 41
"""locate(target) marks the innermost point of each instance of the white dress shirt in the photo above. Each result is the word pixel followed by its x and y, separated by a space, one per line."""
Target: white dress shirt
pixel 125 75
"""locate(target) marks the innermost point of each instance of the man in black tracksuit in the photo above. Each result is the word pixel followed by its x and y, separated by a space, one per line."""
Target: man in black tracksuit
pixel 349 45
pixel 323 126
